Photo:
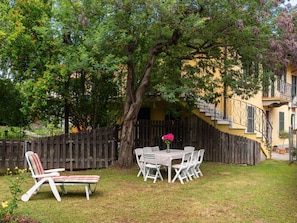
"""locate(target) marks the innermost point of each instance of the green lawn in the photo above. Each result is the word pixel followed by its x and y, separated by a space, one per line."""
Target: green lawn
pixel 226 193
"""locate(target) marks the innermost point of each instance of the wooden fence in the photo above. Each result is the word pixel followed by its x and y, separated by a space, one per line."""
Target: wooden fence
pixel 84 150
pixel 98 148
pixel 219 146
pixel 11 154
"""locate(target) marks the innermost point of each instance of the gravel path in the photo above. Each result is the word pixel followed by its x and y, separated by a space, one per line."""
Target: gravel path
pixel 277 156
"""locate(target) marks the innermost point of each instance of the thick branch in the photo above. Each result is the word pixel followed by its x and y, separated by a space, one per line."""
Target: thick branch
pixel 153 53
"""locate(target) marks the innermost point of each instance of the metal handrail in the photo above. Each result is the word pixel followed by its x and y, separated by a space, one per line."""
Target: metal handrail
pixel 236 112
pixel 260 124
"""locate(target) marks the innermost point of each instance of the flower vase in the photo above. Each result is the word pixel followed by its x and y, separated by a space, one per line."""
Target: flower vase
pixel 168 148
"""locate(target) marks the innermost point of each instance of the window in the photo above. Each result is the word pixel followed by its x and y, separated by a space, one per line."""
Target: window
pixel 293 121
pixel 294 82
pixel 251 68
pixel 281 121
pixel 246 69
pixel 272 89
pixel 278 83
pixel 250 119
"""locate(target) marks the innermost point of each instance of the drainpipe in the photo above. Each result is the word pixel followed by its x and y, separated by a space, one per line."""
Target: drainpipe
pixel 225 87
pixel 225 105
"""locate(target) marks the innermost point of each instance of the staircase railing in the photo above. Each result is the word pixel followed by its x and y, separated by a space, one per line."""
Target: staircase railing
pixel 238 112
pixel 252 117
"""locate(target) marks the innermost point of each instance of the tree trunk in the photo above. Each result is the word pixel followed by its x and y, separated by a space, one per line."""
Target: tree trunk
pixel 134 98
pixel 132 106
pixel 66 110
pixel 127 144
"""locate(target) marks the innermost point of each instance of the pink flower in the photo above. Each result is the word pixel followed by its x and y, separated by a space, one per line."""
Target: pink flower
pixel 168 138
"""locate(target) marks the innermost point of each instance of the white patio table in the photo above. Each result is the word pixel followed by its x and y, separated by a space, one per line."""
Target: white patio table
pixel 165 158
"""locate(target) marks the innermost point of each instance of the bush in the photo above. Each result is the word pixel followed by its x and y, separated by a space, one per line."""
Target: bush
pixel 8 207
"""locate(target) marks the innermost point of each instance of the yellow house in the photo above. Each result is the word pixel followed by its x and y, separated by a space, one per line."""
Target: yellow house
pixel 280 104
pixel 266 114
pixel 261 117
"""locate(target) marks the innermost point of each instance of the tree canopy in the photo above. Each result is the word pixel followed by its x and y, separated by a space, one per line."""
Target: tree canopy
pixel 85 59
pixel 11 104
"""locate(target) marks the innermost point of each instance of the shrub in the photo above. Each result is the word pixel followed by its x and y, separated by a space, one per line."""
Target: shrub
pixel 16 178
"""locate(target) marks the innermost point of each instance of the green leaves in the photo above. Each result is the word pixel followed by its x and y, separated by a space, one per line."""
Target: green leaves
pixel 67 52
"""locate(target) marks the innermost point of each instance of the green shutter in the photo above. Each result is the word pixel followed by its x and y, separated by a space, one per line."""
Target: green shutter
pixel 251 119
pixel 281 121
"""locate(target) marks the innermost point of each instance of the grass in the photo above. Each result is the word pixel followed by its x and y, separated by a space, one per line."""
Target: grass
pixel 226 193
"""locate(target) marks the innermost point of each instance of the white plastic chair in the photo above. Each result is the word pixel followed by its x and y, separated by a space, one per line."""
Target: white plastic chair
pixel 155 148
pixel 199 162
pixel 147 149
pixel 152 169
pixel 191 169
pixel 182 168
pixel 139 153
pixel 189 148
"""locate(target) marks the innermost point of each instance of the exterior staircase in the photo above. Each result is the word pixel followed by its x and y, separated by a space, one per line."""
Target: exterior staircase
pixel 214 116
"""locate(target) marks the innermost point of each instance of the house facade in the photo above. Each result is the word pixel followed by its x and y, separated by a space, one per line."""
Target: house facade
pixel 261 117
pixel 280 104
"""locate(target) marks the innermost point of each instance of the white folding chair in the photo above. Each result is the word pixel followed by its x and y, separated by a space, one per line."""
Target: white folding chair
pixel 147 149
pixel 139 153
pixel 152 169
pixel 189 148
pixel 182 168
pixel 155 148
pixel 198 163
pixel 191 169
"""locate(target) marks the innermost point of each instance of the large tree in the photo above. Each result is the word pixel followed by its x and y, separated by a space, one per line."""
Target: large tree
pixel 157 40
pixel 172 48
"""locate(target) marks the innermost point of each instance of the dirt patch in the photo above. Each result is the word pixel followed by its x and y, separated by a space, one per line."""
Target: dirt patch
pixel 18 219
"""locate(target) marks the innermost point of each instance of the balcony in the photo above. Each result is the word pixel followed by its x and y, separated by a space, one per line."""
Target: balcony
pixel 279 93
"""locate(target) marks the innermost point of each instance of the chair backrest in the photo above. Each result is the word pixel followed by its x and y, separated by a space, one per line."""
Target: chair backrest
pixel 34 164
pixel 147 149
pixel 149 158
pixel 194 157
pixel 189 148
pixel 138 153
pixel 200 156
pixel 155 148
pixel 186 160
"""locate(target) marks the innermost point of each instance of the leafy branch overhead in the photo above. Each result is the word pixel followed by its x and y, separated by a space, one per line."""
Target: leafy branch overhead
pixel 92 62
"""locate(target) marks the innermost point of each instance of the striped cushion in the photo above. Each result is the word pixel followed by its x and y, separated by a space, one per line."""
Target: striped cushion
pixel 92 179
pixel 59 179
pixel 38 170
pixel 36 164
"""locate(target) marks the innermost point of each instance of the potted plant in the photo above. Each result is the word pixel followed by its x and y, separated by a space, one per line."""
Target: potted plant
pixel 275 148
pixel 283 135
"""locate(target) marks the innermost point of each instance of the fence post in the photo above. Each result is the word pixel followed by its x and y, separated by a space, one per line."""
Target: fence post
pixel 25 148
pixel 70 154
